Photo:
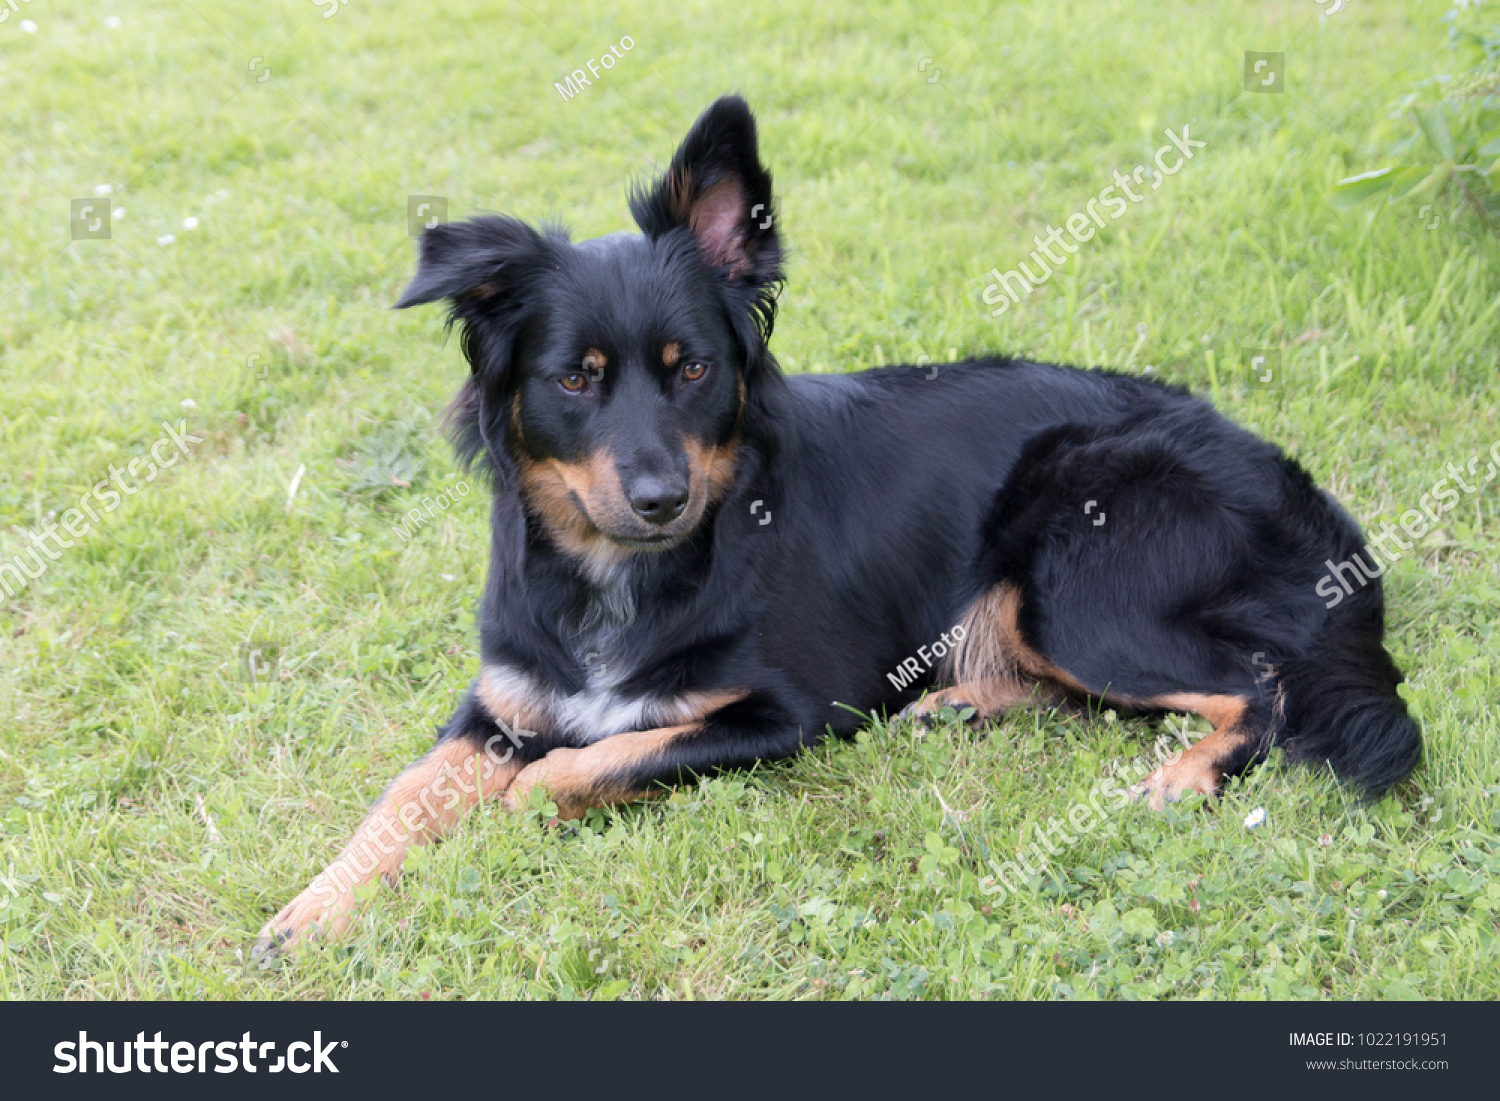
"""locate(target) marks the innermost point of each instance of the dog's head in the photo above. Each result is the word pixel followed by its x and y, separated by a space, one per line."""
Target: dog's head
pixel 611 378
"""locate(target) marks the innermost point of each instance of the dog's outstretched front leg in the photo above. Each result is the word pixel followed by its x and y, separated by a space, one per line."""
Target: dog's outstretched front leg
pixel 420 805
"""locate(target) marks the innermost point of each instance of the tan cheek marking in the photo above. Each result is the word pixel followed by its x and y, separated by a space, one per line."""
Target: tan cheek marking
pixel 515 421
pixel 553 489
pixel 722 463
pixel 602 491
pixel 711 468
pixel 671 354
pixel 547 494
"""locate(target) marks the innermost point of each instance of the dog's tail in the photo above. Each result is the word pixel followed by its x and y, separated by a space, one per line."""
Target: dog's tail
pixel 1341 705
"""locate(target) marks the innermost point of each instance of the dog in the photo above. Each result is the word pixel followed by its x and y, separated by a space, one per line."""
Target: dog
pixel 698 564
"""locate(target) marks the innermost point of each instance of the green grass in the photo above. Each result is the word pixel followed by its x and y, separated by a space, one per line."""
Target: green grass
pixel 201 697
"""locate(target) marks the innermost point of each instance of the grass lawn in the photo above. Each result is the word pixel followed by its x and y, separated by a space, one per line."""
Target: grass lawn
pixel 201 696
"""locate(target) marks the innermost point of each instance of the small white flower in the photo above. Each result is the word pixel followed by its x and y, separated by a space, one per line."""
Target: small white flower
pixel 189 403
pixel 103 189
pixel 166 239
pixel 28 26
pixel 1256 817
pixel 112 22
pixel 117 213
pixel 190 223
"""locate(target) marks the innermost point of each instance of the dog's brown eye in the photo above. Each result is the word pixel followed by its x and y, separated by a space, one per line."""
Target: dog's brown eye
pixel 694 371
pixel 573 383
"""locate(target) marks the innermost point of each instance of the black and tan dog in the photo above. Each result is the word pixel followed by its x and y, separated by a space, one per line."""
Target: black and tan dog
pixel 695 561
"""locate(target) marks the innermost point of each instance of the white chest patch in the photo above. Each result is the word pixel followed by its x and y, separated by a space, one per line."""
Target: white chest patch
pixel 599 711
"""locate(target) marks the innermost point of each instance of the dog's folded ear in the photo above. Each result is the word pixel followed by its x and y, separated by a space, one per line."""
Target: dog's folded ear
pixel 717 187
pixel 489 269
pixel 483 259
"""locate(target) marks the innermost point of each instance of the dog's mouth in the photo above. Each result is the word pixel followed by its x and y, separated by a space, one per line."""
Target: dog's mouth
pixel 647 542
pixel 585 509
pixel 614 524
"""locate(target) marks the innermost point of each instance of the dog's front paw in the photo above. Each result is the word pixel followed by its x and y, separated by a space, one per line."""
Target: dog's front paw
pixel 931 710
pixel 319 913
pixel 553 774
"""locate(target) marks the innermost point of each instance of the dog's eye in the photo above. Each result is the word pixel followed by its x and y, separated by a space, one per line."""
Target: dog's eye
pixel 694 371
pixel 574 383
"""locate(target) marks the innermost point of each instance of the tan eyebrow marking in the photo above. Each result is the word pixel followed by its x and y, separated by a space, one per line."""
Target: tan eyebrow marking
pixel 595 361
pixel 671 353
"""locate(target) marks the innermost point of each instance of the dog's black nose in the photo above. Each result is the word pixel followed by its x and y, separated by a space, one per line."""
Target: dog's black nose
pixel 658 501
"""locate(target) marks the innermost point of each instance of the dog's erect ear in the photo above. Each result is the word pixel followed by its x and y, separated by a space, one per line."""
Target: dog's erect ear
pixel 486 258
pixel 717 187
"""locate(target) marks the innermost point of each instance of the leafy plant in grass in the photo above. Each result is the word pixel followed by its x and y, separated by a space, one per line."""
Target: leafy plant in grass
pixel 385 462
pixel 1455 129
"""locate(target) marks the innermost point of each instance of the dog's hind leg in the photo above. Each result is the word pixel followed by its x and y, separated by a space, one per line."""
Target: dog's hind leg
pixel 992 669
pixel 1242 733
pixel 989 697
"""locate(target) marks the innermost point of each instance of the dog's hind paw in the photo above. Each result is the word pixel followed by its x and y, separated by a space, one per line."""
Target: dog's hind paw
pixel 1172 783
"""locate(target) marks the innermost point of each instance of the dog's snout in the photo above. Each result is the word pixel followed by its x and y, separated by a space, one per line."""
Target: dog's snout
pixel 658 500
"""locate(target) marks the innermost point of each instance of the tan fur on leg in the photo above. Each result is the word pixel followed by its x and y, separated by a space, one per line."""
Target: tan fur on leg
pixel 1200 767
pixel 421 805
pixel 992 668
pixel 578 779
pixel 989 698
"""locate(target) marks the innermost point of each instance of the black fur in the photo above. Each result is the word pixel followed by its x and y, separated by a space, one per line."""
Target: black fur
pixel 896 500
